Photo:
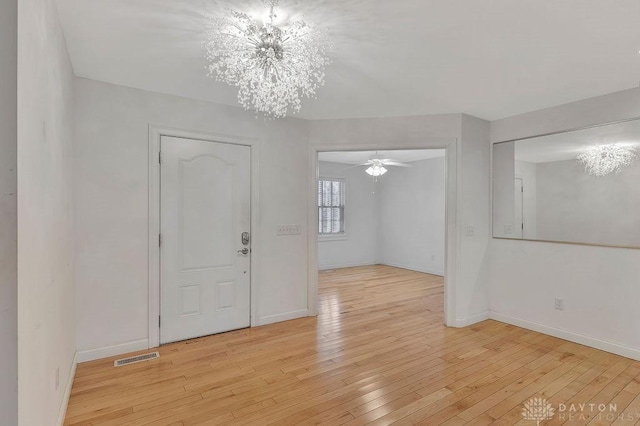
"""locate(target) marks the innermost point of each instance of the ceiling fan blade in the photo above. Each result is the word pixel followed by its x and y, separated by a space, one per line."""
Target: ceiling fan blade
pixel 397 163
pixel 357 165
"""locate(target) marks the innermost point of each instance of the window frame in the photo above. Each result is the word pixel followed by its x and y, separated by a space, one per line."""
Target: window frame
pixel 336 236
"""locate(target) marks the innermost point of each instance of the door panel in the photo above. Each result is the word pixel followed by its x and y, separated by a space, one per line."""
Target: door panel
pixel 205 208
pixel 207 186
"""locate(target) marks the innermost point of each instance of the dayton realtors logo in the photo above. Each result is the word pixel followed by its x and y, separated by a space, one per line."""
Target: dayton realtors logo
pixel 539 410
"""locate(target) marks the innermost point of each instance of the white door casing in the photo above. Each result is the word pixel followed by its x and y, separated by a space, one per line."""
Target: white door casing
pixel 204 209
pixel 518 208
pixel 452 157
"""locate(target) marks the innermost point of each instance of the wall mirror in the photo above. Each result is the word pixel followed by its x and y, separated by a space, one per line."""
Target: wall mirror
pixel 580 186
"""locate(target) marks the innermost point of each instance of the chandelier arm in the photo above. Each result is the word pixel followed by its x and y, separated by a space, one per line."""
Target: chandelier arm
pixel 254 42
pixel 251 41
pixel 291 37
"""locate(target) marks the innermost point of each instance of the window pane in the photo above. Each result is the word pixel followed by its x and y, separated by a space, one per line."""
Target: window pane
pixel 331 206
pixel 335 194
pixel 335 220
pixel 327 193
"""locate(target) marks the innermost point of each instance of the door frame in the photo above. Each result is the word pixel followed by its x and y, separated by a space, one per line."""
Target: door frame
pixel 156 132
pixel 521 205
pixel 452 158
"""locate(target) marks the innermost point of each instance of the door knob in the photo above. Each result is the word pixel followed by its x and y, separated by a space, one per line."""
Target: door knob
pixel 244 251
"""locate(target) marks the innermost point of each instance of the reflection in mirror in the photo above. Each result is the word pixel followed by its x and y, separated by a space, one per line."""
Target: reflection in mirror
pixel 580 187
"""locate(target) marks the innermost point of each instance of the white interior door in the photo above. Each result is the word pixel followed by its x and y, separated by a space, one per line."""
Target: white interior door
pixel 204 210
pixel 518 221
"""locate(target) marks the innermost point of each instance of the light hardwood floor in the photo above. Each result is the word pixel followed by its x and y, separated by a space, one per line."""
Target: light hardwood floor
pixel 377 354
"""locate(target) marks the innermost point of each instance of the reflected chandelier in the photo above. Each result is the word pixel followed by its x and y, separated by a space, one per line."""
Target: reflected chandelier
pixel 600 160
pixel 273 66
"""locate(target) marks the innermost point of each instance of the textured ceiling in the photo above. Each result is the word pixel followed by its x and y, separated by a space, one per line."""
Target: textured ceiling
pixel 487 58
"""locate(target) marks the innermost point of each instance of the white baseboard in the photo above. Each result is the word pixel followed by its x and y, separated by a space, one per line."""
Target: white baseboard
pixel 270 319
pixel 604 345
pixel 344 265
pixel 62 412
pixel 106 352
pixel 473 319
pixel 413 268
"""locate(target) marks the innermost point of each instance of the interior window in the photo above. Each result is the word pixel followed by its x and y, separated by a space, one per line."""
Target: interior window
pixel 331 200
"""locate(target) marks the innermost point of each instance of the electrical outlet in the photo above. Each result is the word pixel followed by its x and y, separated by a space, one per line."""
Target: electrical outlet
pixel 288 230
pixel 57 378
pixel 559 304
pixel 470 231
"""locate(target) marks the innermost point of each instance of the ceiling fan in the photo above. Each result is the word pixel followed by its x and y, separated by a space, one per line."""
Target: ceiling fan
pixel 377 165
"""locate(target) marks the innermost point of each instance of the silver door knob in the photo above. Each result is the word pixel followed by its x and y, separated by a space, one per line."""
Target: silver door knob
pixel 244 251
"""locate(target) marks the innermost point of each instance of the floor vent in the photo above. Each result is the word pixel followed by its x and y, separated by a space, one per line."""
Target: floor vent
pixel 134 359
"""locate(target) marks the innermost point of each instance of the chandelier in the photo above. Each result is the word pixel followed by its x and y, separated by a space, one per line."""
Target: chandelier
pixel 600 160
pixel 272 65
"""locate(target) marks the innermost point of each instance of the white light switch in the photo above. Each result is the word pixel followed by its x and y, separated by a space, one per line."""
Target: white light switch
pixel 288 230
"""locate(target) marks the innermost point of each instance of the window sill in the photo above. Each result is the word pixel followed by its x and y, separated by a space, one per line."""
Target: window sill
pixel 332 237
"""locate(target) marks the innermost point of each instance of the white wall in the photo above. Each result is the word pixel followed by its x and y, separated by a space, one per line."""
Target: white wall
pixel 472 275
pixel 111 189
pixel 575 206
pixel 599 284
pixel 8 215
pixel 111 157
pixel 46 293
pixel 411 216
pixel 469 184
pixel 358 246
pixel 503 191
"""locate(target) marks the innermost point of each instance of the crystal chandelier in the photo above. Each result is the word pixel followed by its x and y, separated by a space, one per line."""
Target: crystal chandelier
pixel 600 160
pixel 272 65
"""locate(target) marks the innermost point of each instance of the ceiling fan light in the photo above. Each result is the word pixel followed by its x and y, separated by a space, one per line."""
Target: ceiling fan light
pixel 376 170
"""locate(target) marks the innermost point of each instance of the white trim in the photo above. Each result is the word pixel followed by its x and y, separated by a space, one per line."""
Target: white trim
pixel 413 268
pixel 473 319
pixel 453 200
pixel 312 227
pixel 571 336
pixel 271 319
pixel 109 351
pixel 333 237
pixel 155 133
pixel 62 412
pixel 344 265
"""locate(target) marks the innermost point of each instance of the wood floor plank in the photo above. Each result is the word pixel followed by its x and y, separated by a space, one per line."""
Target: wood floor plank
pixel 376 354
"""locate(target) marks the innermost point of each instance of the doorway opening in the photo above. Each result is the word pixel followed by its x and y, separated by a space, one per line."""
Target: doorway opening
pixel 381 229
